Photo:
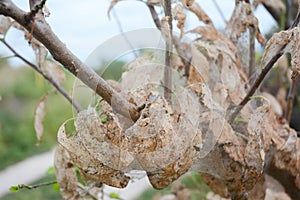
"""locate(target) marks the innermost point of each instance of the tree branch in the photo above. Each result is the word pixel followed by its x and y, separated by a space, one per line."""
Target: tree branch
pixel 154 16
pixel 182 52
pixel 168 56
pixel 30 187
pixel 256 84
pixel 43 33
pixel 252 70
pixel 264 72
pixel 48 78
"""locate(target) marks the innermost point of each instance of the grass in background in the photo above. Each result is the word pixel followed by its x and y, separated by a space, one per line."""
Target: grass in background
pixel 20 91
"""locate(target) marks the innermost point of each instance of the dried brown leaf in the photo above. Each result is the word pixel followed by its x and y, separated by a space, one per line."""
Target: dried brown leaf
pixel 207 32
pixel 39 116
pixel 200 13
pixel 92 169
pixel 39 50
pixel 295 53
pixel 180 16
pixel 111 6
pixel 65 175
pixel 254 153
pixel 241 19
pixel 277 41
pixel 187 3
pixel 111 151
pixel 54 71
pixel 5 24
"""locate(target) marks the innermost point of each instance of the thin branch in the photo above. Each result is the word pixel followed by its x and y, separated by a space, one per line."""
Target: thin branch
pixel 43 33
pixel 30 187
pixel 48 78
pixel 168 56
pixel 251 54
pixel 183 54
pixel 291 98
pixel 154 16
pixel 258 81
pixel 256 84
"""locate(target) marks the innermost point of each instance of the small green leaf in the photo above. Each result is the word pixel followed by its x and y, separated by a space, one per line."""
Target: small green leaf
pixel 50 170
pixel 103 118
pixel 14 188
pixel 114 195
pixel 56 187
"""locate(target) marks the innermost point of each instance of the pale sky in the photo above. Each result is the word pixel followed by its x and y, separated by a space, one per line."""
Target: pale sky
pixel 84 25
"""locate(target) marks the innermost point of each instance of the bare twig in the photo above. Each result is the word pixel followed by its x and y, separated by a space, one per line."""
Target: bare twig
pixel 154 16
pixel 43 33
pixel 252 70
pixel 168 56
pixel 184 56
pixel 291 98
pixel 256 84
pixel 48 78
pixel 261 77
pixel 30 187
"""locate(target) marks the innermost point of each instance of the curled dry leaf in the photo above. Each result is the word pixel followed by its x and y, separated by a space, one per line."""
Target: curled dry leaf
pixel 241 19
pixel 65 175
pixel 254 152
pixel 199 12
pixel 105 141
pixel 288 39
pixel 215 63
pixel 54 71
pixel 275 44
pixel 161 142
pixel 295 53
pixel 39 50
pixel 207 32
pixel 39 116
pixel 5 24
pixel 92 169
pixel 187 3
pixel 180 16
pixel 111 6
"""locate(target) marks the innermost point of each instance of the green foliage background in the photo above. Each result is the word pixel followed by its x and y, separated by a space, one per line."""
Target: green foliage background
pixel 20 91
